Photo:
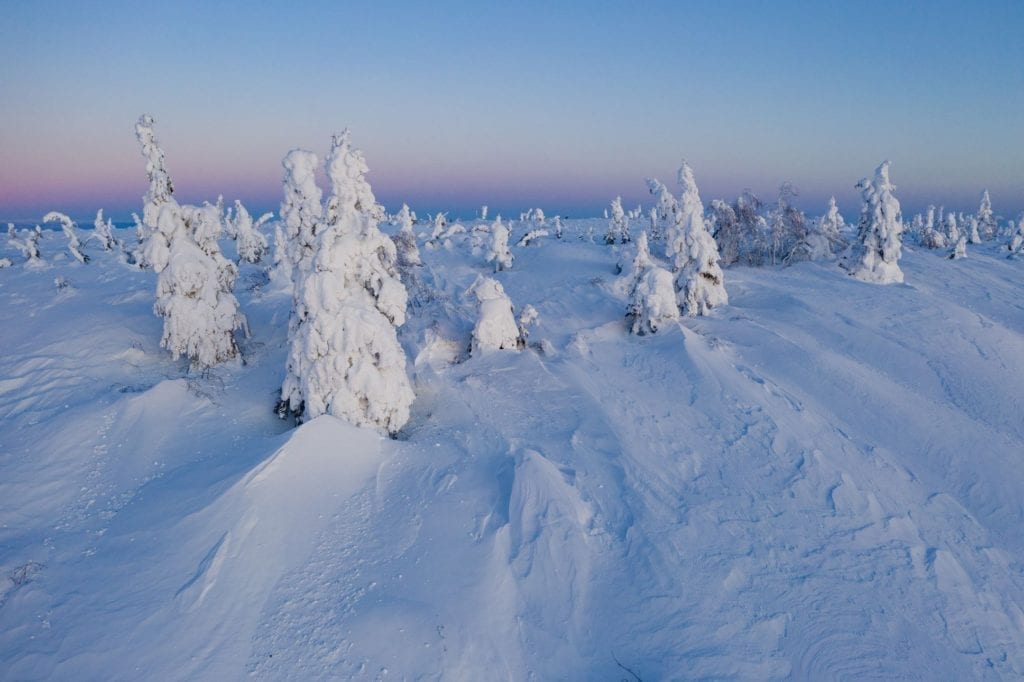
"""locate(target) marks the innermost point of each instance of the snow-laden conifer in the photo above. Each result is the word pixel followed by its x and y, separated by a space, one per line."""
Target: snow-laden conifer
pixel 952 229
pixel 986 221
pixel 930 237
pixel 68 226
pixel 301 210
pixel 160 186
pixel 973 235
pixel 618 224
pixel 558 227
pixel 250 244
pixel 960 249
pixel 699 282
pixel 1016 243
pixel 405 240
pixel 651 292
pixel 666 203
pixel 103 232
pixel 876 254
pixel 498 250
pixel 495 327
pixel 344 356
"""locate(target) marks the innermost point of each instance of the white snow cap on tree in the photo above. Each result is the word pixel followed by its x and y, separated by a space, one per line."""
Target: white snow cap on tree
pixel 301 210
pixel 68 226
pixel 986 223
pixel 930 237
pixel 345 358
pixel 103 230
pixel 960 249
pixel 972 231
pixel 952 229
pixel 667 205
pixel 876 255
pixel 495 327
pixel 700 284
pixel 498 250
pixel 250 243
pixel 1016 245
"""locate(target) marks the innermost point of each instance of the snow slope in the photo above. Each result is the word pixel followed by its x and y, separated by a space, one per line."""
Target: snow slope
pixel 823 480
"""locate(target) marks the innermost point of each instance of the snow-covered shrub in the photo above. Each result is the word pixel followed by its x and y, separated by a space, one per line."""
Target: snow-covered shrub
pixel 495 327
pixel 531 236
pixel 29 246
pixel 831 225
pixel 528 317
pixel 876 254
pixel 699 283
pixel 986 222
pixel 6 262
pixel 666 203
pixel 250 244
pixel 960 249
pixel 440 223
pixel 558 227
pixel 344 356
pixel 974 237
pixel 103 232
pixel 498 250
pixel 405 240
pixel 725 228
pixel 618 225
pixel 68 226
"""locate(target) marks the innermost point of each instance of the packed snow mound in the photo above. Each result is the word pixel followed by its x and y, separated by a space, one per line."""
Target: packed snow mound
pixel 822 480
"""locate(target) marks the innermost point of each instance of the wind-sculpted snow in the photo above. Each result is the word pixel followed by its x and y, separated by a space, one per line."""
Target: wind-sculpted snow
pixel 823 480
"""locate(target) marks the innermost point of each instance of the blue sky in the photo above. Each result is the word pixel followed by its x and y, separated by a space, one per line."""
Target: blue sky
pixel 561 105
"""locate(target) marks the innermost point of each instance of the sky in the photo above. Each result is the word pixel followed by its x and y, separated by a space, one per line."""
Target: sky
pixel 561 105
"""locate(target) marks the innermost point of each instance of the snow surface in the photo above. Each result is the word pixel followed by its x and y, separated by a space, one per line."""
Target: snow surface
pixel 823 480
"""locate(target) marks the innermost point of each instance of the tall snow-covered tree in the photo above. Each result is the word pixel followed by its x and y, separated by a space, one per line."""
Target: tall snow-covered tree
pixel 344 356
pixel 194 280
pixel 1016 243
pixel 930 237
pixel 876 254
pixel 952 229
pixel 651 291
pixel 699 282
pixel 68 226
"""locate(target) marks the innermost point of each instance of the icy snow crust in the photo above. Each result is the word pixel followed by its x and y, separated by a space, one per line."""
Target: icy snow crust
pixel 822 480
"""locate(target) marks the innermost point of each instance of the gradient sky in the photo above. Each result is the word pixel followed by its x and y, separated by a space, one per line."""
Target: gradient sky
pixel 557 104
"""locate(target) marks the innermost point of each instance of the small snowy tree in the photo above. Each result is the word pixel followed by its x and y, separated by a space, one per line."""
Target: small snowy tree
pixel 618 226
pixel 699 282
pixel 440 224
pixel 972 231
pixel 930 237
pixel 651 291
pixel 498 250
pixel 986 222
pixel 495 327
pixel 1016 244
pixel 558 227
pixel 103 231
pixel 250 244
pixel 483 213
pixel 666 203
pixel 952 229
pixel 160 186
pixel 405 240
pixel 528 317
pixel 344 356
pixel 29 246
pixel 68 226
pixel 875 257
pixel 960 249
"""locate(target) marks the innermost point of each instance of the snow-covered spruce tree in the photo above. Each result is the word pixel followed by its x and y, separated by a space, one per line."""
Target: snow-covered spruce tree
pixel 495 327
pixel 666 203
pixel 528 317
pixel 301 210
pixel 973 236
pixel 440 224
pixel 250 244
pixel 161 188
pixel 651 291
pixel 68 226
pixel 29 246
pixel 1016 243
pixel 725 227
pixel 876 254
pixel 699 283
pixel 103 231
pixel 986 222
pixel 831 225
pixel 194 285
pixel 405 240
pixel 930 237
pixel 618 225
pixel 754 243
pixel 952 229
pixel 558 227
pixel 345 359
pixel 960 249
pixel 498 250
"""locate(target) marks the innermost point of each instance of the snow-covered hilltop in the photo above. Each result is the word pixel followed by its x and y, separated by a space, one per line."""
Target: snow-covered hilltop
pixel 814 477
